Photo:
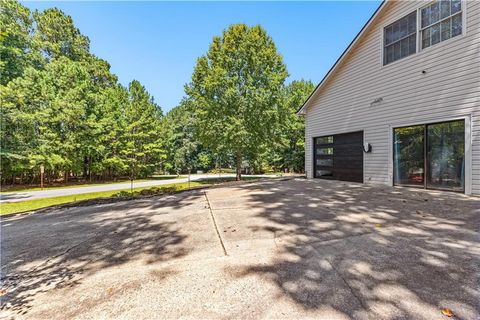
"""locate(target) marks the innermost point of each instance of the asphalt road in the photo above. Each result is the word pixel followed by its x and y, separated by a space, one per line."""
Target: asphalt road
pixel 294 249
pixel 49 193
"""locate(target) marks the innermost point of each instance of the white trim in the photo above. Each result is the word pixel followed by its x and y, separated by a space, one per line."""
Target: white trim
pixel 420 29
pixel 468 155
pixel 468 144
pixel 405 37
pixel 419 49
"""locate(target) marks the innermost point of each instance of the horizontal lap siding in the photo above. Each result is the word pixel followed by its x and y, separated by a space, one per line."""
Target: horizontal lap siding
pixel 450 88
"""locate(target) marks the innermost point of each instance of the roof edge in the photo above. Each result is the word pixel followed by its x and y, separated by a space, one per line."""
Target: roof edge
pixel 304 106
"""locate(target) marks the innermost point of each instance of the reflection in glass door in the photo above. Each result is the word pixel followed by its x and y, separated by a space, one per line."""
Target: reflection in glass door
pixel 430 155
pixel 445 155
pixel 408 156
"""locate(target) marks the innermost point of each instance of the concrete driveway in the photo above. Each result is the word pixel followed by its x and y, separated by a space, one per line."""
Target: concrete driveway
pixel 270 249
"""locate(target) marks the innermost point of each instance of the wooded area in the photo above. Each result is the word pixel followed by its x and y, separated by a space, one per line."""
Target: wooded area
pixel 64 109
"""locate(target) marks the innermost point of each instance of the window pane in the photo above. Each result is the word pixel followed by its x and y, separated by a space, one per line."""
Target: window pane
pixel 434 12
pixel 412 44
pixel 396 31
pixel 456 6
pixel 397 43
pixel 404 48
pixel 396 51
pixel 325 162
pixel 435 33
pixel 324 173
pixel 444 9
pixel 445 29
pixel 457 25
pixel 324 151
pixel 445 154
pixel 408 155
pixel 323 140
pixel 403 27
pixel 389 54
pixel 388 35
pixel 426 38
pixel 412 23
pixel 425 17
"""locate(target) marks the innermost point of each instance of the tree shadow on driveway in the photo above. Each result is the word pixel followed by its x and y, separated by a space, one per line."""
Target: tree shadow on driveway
pixel 371 252
pixel 61 247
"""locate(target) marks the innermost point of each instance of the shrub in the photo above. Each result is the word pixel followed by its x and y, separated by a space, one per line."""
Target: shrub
pixel 223 170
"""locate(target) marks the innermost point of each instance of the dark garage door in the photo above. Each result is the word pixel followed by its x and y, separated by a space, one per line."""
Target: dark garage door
pixel 339 157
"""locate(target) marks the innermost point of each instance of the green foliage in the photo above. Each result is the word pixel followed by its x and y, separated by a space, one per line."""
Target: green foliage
pixel 142 140
pixel 236 92
pixel 64 109
pixel 57 36
pixel 290 147
pixel 15 40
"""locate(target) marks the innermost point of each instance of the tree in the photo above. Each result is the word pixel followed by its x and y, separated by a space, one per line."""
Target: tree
pixel 183 146
pixel 142 140
pixel 236 92
pixel 291 145
pixel 16 45
pixel 57 36
pixel 64 109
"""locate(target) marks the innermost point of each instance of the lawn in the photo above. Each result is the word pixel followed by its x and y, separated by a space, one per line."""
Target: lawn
pixel 29 205
pixel 27 188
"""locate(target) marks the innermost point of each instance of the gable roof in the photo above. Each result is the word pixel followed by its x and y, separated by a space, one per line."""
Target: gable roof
pixel 342 57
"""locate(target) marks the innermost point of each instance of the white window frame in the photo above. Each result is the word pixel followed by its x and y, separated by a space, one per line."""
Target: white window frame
pixel 418 35
pixel 462 11
pixel 428 120
pixel 407 36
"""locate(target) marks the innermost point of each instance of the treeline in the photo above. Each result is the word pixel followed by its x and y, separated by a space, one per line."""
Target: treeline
pixel 61 107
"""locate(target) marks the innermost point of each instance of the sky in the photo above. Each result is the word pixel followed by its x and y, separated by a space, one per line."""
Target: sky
pixel 158 43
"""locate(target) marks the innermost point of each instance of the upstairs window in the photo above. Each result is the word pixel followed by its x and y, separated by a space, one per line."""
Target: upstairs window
pixel 440 21
pixel 400 38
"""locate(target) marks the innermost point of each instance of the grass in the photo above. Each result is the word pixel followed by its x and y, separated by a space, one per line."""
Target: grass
pixel 27 188
pixel 30 205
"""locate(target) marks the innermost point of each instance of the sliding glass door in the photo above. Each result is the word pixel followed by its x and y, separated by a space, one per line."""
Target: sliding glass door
pixel 430 155
pixel 445 155
pixel 409 155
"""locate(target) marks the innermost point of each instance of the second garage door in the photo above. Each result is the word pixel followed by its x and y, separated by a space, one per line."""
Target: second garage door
pixel 339 157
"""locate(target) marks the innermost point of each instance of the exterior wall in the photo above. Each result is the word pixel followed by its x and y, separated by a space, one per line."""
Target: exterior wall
pixel 449 89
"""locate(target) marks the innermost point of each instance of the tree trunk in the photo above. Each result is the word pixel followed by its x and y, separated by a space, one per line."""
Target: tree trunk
pixel 84 173
pixel 238 163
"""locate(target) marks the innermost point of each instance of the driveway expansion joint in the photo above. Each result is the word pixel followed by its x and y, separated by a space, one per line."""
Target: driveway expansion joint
pixel 352 291
pixel 215 224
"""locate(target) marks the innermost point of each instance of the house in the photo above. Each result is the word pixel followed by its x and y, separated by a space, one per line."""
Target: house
pixel 401 105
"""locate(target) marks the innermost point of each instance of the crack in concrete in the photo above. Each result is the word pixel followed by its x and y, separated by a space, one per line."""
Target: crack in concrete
pixel 215 224
pixel 365 307
pixel 352 291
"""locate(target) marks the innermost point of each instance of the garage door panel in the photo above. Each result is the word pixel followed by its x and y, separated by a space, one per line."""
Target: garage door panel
pixel 339 157
pixel 346 163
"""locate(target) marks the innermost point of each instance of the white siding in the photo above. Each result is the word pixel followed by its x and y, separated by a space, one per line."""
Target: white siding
pixel 449 89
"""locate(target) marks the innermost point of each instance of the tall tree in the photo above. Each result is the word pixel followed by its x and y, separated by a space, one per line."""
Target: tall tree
pixel 236 92
pixel 63 108
pixel 57 36
pixel 183 146
pixel 143 148
pixel 17 50
pixel 290 147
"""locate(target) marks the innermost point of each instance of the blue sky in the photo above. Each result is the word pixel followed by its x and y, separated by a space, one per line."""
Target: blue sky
pixel 158 43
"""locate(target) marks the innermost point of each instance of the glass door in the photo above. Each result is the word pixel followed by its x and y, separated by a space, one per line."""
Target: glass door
pixel 409 155
pixel 445 155
pixel 430 156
